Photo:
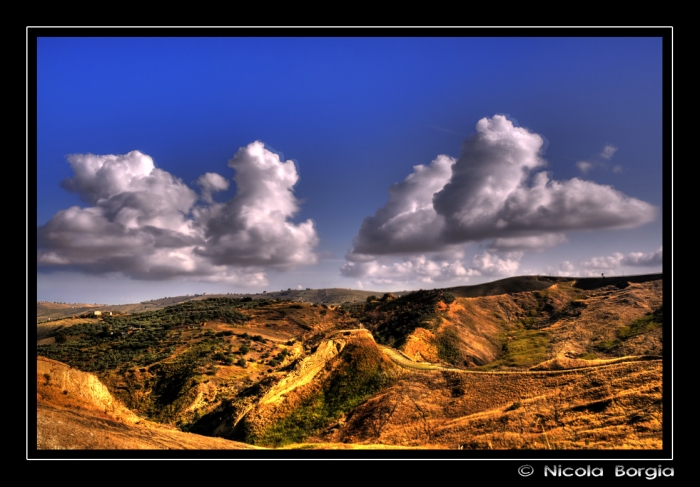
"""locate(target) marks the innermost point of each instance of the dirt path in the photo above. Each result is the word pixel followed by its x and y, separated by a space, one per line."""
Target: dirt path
pixel 403 361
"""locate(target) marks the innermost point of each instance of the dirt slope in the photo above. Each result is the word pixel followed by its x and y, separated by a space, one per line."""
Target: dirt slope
pixel 617 406
pixel 75 411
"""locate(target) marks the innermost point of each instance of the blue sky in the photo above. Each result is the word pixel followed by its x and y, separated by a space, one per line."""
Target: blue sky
pixel 504 156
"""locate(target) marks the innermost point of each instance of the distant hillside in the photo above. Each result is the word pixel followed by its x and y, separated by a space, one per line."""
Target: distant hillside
pixel 49 311
pixel 46 311
pixel 521 284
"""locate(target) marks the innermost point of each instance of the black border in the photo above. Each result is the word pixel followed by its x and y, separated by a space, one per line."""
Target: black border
pixel 477 460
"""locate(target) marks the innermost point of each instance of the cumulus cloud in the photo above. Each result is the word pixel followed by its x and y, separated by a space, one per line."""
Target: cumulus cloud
pixel 495 191
pixel 254 227
pixel 147 224
pixel 408 222
pixel 211 183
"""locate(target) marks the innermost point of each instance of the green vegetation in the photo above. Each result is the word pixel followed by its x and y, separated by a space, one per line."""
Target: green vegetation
pixel 172 385
pixel 522 348
pixel 608 345
pixel 192 312
pixel 142 338
pixel 359 373
pixel 392 320
pixel 279 358
pixel 514 406
pixel 642 325
pixel 97 346
pixel 529 322
pixel 448 346
pixel 588 356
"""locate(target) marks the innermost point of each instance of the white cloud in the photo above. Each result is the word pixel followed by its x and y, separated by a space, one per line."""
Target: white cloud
pixel 610 264
pixel 640 259
pixel 211 183
pixel 599 160
pixel 489 264
pixel 146 223
pixel 492 191
pixel 254 227
pixel 433 268
pixel 603 263
pixel 420 269
pixel 566 268
pixel 584 166
pixel 608 151
pixel 408 222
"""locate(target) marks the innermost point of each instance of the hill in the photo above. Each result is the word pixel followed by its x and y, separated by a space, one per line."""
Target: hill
pixel 532 362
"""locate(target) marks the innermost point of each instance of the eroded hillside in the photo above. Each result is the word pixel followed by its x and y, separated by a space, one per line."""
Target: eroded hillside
pixel 531 363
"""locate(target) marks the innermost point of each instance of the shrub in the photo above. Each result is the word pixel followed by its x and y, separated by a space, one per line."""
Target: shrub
pixel 642 325
pixel 607 345
pixel 514 406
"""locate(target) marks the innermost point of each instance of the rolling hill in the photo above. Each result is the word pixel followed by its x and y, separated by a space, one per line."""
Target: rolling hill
pixel 533 362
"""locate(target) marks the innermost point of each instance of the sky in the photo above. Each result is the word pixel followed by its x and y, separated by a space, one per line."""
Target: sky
pixel 181 165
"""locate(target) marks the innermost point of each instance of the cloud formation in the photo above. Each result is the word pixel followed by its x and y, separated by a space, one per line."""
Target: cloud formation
pixel 617 259
pixel 434 268
pixel 609 264
pixel 640 259
pixel 420 269
pixel 147 224
pixel 408 222
pixel 493 191
pixel 254 227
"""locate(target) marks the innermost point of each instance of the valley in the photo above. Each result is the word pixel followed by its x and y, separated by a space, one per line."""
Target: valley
pixel 532 363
